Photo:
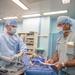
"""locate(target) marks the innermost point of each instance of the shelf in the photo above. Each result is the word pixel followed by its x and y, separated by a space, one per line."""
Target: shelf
pixel 31 40
pixel 29 44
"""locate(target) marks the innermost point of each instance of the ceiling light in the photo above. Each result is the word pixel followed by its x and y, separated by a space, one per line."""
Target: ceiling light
pixel 10 18
pixel 65 1
pixel 33 15
pixel 55 12
pixel 19 3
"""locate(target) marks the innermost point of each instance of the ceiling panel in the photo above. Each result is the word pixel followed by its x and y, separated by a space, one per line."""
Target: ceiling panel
pixel 9 8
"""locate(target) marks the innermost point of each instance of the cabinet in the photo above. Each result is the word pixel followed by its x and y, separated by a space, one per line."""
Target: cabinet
pixel 31 40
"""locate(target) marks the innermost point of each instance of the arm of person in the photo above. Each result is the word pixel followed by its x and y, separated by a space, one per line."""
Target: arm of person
pixel 6 59
pixel 22 48
pixel 54 58
pixel 70 63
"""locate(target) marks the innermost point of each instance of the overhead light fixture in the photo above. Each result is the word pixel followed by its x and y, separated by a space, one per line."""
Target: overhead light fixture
pixel 33 15
pixel 65 1
pixel 19 3
pixel 10 18
pixel 55 12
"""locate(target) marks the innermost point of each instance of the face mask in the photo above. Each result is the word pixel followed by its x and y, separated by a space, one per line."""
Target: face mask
pixel 59 30
pixel 13 30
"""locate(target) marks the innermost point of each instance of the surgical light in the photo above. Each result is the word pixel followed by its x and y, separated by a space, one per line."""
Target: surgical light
pixel 15 17
pixel 20 4
pixel 33 15
pixel 55 12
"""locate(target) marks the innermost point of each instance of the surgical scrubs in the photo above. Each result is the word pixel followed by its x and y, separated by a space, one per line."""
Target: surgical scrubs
pixel 9 45
pixel 63 51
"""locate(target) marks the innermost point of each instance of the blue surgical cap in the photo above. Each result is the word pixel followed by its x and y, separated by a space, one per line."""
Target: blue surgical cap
pixel 11 22
pixel 64 19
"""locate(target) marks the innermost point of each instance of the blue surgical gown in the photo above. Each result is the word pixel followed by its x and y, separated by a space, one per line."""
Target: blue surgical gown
pixel 9 45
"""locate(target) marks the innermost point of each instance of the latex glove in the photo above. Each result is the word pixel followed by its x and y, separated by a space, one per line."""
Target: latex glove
pixel 17 55
pixel 4 58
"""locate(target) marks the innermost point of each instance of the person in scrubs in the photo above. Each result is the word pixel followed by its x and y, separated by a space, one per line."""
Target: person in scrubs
pixel 10 44
pixel 64 57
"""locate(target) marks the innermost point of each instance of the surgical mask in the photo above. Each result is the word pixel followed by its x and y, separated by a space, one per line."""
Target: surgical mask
pixel 13 30
pixel 59 30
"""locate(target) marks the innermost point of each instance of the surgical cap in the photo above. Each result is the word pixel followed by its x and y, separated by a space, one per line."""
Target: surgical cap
pixel 11 22
pixel 64 19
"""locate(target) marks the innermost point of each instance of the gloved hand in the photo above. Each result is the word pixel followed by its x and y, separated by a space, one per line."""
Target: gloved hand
pixel 4 58
pixel 17 55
